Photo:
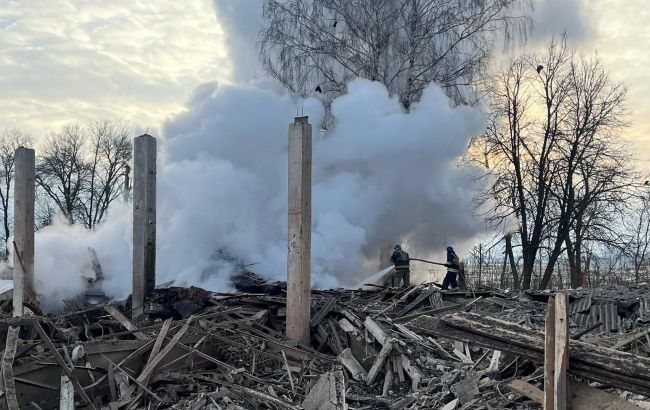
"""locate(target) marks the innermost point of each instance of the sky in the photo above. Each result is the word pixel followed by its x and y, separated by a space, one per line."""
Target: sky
pixel 64 61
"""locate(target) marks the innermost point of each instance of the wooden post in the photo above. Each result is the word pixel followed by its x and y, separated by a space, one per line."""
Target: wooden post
pixel 556 353
pixel 299 232
pixel 549 355
pixel 561 350
pixel 23 245
pixel 144 221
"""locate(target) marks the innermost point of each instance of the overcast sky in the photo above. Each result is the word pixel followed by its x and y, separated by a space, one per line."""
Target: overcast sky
pixel 65 61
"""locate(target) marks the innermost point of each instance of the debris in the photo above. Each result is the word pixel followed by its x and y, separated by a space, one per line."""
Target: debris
pixel 379 347
pixel 327 394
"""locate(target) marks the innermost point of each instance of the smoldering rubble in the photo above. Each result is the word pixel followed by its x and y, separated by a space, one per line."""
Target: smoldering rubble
pixel 411 348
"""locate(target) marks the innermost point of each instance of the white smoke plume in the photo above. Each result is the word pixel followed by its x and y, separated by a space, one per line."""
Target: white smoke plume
pixel 380 176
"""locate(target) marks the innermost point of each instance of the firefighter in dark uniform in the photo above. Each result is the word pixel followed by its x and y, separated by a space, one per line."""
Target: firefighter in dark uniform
pixel 402 267
pixel 453 267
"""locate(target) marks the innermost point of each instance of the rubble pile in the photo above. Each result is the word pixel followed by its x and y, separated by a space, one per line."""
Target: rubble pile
pixel 411 348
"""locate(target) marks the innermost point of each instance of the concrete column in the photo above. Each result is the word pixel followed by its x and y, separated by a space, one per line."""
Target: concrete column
pixel 23 246
pixel 299 232
pixel 144 221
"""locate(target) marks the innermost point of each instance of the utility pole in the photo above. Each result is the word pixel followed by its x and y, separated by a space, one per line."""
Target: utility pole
pixel 299 232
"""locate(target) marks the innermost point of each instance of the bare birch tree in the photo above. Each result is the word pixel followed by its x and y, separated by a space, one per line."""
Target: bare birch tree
pixel 404 44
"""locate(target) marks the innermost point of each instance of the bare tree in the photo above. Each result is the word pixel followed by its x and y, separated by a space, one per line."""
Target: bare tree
pixel 637 227
pixel 110 146
pixel 82 169
pixel 594 172
pixel 10 140
pixel 62 171
pixel 556 164
pixel 404 44
pixel 521 143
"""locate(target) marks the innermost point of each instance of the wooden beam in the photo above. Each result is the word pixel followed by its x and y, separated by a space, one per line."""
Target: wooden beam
pixel 549 355
pixel 354 367
pixel 299 232
pixel 417 301
pixel 64 366
pixel 594 363
pixel 124 321
pixel 379 361
pixel 327 307
pixel 526 389
pixel 632 337
pixel 9 384
pixel 66 399
pixel 376 331
pixel 561 351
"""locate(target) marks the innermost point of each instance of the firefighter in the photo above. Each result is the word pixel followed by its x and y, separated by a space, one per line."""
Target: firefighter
pixel 402 269
pixel 453 267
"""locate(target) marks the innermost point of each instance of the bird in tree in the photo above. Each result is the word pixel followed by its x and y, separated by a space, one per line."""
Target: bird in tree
pixel 539 68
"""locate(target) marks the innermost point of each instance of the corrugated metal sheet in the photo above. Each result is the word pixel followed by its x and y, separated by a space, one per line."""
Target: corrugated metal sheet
pixel 582 320
pixel 581 305
pixel 607 313
pixel 644 308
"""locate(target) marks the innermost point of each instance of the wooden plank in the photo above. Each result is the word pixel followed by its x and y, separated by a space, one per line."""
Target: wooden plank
pixel 431 312
pixel 143 378
pixel 66 399
pixel 421 298
pixel 615 368
pixel 354 367
pixel 632 337
pixel 549 355
pixel 379 362
pixel 159 340
pixel 376 331
pixel 320 315
pixel 388 380
pixel 561 351
pixel 124 321
pixel 494 361
pixel 412 371
pixel 327 394
pixel 526 389
pixel 286 366
pixel 134 380
pixel 64 366
pixel 397 368
pixel 8 356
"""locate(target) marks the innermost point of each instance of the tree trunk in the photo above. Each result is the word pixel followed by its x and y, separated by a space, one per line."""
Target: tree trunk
pixel 513 265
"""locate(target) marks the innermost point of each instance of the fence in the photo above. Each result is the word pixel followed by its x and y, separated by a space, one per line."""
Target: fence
pixel 491 272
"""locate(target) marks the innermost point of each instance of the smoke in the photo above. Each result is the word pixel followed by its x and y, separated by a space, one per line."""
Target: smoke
pixel 380 176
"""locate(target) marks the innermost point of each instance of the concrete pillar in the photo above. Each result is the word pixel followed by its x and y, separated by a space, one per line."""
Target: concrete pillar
pixel 23 246
pixel 144 221
pixel 299 232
